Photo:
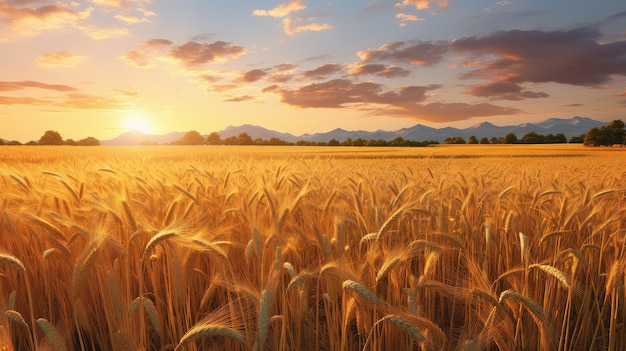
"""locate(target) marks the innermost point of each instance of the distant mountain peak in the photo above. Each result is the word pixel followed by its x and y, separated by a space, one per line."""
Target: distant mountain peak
pixel 570 127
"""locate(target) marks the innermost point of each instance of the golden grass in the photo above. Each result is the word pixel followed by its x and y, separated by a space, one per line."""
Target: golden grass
pixel 471 247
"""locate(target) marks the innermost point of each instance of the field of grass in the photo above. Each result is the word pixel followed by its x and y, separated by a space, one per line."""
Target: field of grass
pixel 494 247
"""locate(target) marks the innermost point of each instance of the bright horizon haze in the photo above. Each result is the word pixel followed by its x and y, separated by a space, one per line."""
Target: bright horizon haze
pixel 102 67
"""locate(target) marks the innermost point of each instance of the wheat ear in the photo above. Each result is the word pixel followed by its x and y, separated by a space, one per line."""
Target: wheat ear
pixel 53 335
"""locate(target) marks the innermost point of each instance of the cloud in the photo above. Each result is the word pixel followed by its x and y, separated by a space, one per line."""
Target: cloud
pixel 291 25
pixel 98 33
pixel 10 100
pixel 123 4
pixel 253 75
pixel 379 70
pixel 441 112
pixel 504 90
pixel 623 93
pixel 131 19
pixel 336 93
pixel 404 18
pixel 60 59
pixel 423 4
pixel 419 53
pixel 12 86
pixel 240 98
pixel 323 71
pixel 406 102
pixel 94 102
pixel 193 54
pixel 282 10
pixel 32 21
pixel 573 57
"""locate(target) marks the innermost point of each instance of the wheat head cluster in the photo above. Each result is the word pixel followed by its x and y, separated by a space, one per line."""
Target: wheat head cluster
pixel 143 249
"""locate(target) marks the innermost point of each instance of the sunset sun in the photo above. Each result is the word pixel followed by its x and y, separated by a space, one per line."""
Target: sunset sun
pixel 135 120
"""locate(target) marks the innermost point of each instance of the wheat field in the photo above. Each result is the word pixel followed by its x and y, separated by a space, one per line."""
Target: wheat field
pixel 252 248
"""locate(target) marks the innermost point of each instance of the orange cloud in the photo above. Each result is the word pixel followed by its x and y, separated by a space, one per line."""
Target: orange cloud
pixel 32 21
pixel 282 10
pixel 9 100
pixel 97 33
pixel 423 4
pixel 240 98
pixel 291 26
pixel 60 59
pixel 94 102
pixel 404 18
pixel 131 19
pixel 12 86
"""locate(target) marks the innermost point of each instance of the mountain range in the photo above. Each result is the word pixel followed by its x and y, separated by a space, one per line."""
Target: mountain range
pixel 569 126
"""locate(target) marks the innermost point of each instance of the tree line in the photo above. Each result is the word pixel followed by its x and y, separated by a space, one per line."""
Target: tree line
pixel 52 137
pixel 610 134
pixel 607 135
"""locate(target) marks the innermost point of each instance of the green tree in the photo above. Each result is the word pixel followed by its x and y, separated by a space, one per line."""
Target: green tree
pixel 533 138
pixel 511 138
pixel 51 137
pixel 607 135
pixel 483 140
pixel 615 132
pixel 577 139
pixel 593 137
pixel 560 138
pixel 333 142
pixel 454 140
pixel 472 139
pixel 398 141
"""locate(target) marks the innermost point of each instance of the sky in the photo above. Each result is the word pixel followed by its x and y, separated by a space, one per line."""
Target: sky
pixel 102 67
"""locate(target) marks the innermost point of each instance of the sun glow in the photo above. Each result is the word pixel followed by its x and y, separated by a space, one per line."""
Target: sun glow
pixel 136 120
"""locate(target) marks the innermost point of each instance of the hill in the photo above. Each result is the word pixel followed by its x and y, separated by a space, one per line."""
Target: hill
pixel 419 132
